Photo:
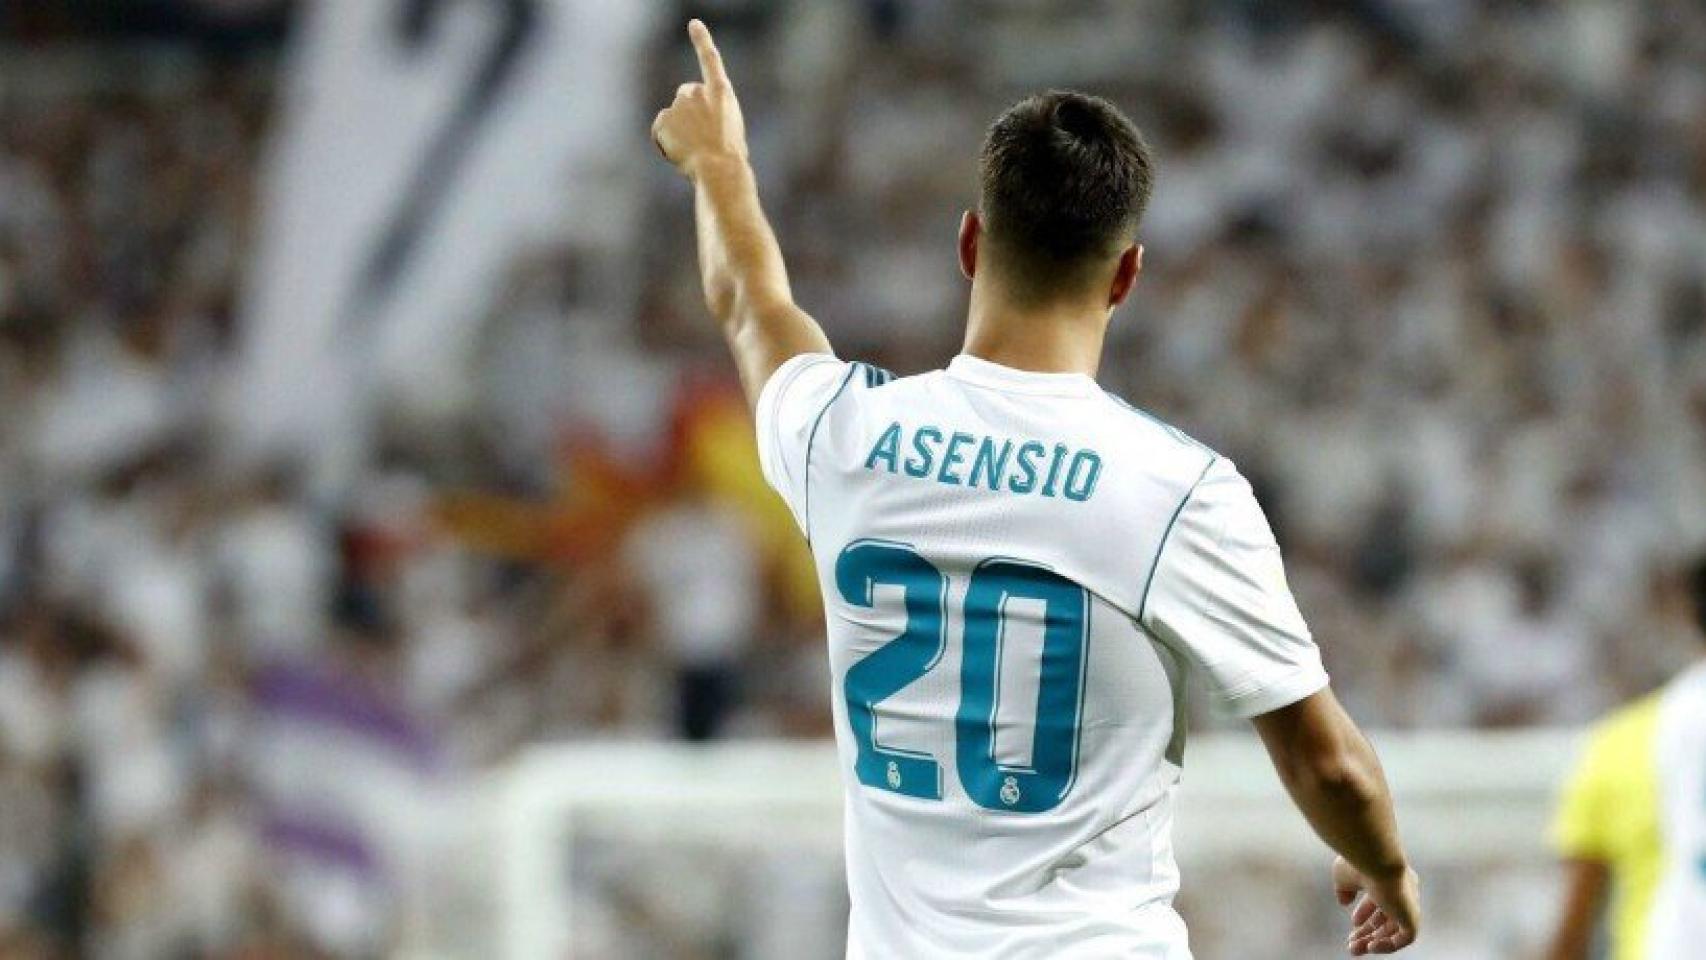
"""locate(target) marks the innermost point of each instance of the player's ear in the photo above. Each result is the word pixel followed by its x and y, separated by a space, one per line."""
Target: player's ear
pixel 1125 275
pixel 971 229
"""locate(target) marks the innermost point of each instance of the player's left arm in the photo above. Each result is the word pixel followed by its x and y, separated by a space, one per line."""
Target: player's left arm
pixel 1332 774
pixel 1217 593
pixel 746 283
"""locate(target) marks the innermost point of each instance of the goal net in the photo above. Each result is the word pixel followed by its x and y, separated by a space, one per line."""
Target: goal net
pixel 666 850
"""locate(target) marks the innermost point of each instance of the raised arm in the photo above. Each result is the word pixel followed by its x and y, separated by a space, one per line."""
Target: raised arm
pixel 746 283
pixel 1334 777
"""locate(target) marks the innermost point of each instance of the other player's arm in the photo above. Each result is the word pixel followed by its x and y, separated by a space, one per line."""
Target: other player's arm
pixel 1594 801
pixel 1334 777
pixel 1584 895
pixel 746 283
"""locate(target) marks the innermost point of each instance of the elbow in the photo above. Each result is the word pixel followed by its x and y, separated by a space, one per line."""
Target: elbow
pixel 738 310
pixel 722 299
pixel 1342 774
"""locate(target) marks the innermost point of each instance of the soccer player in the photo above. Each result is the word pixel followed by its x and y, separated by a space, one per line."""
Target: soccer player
pixel 1018 571
pixel 1633 823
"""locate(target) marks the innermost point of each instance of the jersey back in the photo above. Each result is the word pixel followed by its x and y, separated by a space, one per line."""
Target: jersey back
pixel 1017 572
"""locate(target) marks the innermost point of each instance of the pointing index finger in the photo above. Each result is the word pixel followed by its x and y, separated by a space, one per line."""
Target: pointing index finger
pixel 710 61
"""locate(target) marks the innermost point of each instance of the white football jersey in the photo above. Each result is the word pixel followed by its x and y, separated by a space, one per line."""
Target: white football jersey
pixel 1679 907
pixel 1017 571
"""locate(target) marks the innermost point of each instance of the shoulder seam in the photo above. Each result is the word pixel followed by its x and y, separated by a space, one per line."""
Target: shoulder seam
pixel 806 505
pixel 1155 563
pixel 1171 430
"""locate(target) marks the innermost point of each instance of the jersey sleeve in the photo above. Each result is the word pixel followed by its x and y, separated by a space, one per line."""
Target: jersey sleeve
pixel 790 407
pixel 1218 595
pixel 1608 807
pixel 1579 828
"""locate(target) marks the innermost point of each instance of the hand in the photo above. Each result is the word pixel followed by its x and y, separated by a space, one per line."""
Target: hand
pixel 1385 914
pixel 704 123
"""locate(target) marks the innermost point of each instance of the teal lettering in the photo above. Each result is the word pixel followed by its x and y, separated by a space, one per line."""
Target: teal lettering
pixel 989 464
pixel 1027 467
pixel 887 449
pixel 953 457
pixel 1081 477
pixel 995 464
pixel 920 468
pixel 1054 469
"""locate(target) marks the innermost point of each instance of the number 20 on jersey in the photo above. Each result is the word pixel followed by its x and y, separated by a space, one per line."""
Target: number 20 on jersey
pixel 1036 788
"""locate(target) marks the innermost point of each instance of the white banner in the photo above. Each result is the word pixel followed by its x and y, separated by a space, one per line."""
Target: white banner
pixel 422 145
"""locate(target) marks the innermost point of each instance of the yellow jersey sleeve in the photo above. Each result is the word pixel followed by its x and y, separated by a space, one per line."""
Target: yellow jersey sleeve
pixel 1613 788
pixel 1609 812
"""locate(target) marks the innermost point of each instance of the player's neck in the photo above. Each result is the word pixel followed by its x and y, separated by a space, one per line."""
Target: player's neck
pixel 1052 339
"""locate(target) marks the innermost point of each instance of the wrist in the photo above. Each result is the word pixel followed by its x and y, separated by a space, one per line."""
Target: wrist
pixel 1389 871
pixel 719 165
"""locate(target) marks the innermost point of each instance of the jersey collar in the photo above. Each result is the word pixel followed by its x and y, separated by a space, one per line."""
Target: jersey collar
pixel 983 373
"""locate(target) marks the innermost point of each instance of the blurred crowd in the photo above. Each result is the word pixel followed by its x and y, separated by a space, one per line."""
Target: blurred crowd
pixel 1433 274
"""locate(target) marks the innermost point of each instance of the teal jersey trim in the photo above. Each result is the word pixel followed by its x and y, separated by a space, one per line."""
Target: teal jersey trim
pixel 876 376
pixel 811 439
pixel 1172 431
pixel 1143 604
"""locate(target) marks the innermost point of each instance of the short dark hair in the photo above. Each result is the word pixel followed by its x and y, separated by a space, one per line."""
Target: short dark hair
pixel 1065 180
pixel 1697 591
